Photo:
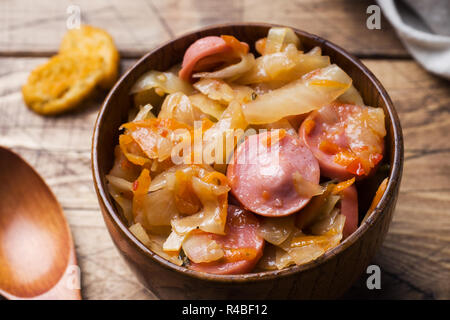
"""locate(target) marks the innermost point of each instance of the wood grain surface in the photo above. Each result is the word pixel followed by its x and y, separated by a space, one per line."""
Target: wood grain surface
pixel 414 259
pixel 36 27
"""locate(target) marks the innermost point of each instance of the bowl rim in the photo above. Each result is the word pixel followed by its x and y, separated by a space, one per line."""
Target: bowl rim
pixel 374 216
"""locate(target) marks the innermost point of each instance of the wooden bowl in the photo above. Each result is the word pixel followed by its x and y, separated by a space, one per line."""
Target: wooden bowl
pixel 327 277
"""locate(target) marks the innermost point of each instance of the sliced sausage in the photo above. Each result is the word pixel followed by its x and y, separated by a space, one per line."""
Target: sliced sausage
pixel 339 137
pixel 206 53
pixel 261 177
pixel 349 208
pixel 242 245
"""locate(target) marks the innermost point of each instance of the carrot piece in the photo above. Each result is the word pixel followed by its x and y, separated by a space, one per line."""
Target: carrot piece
pixel 328 83
pixel 215 177
pixel 142 183
pixel 356 167
pixel 140 189
pixel 235 44
pixel 260 45
pixel 125 142
pixel 329 147
pixel 341 186
pixel 206 124
pixel 351 162
pixel 380 191
pixel 344 158
pixel 309 126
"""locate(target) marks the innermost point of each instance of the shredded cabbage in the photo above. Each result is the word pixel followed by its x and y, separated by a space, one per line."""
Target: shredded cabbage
pixel 351 96
pixel 168 82
pixel 159 207
pixel 247 62
pixel 211 218
pixel 276 230
pixel 173 242
pixel 228 130
pixel 207 105
pixel 156 245
pixel 139 232
pixel 280 68
pixel 306 188
pixel 278 37
pixel 125 203
pixel 316 51
pixel 324 224
pixel 215 89
pixel 122 167
pixel 314 90
pixel 144 113
pixel 151 141
pixel 300 248
pixel 120 183
pixel 201 248
pixel 179 107
pixel 268 260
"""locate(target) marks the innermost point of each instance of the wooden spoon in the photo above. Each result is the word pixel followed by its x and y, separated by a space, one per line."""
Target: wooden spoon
pixel 37 256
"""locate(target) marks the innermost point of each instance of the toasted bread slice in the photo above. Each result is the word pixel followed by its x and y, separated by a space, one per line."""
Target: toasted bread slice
pixel 93 41
pixel 62 83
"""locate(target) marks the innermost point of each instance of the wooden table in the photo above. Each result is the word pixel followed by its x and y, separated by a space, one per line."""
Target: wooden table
pixel 415 258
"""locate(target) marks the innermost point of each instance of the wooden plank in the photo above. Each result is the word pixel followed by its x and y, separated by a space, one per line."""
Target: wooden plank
pixel 36 27
pixel 414 258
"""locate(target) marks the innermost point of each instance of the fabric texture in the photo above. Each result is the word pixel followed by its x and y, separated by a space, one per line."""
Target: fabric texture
pixel 424 28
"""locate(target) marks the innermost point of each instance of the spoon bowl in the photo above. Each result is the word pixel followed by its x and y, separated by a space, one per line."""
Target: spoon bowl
pixel 36 248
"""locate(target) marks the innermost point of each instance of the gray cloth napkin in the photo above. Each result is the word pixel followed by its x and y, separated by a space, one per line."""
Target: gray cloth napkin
pixel 424 28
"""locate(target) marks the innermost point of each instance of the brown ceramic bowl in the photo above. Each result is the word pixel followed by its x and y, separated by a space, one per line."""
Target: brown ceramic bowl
pixel 327 277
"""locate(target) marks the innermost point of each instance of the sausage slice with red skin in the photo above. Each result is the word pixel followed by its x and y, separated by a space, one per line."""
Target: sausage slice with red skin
pixel 242 245
pixel 328 124
pixel 261 177
pixel 349 208
pixel 204 53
